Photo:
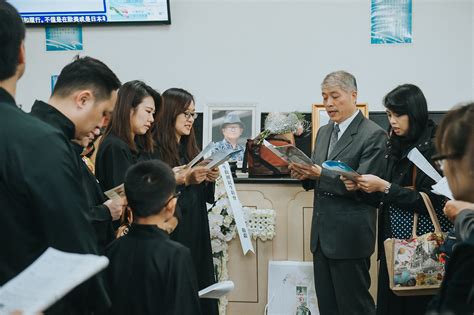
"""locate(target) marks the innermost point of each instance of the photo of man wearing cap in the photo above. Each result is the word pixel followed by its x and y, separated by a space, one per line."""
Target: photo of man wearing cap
pixel 231 128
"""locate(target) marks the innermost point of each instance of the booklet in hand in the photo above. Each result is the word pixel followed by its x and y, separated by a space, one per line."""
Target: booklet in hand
pixel 218 158
pixel 289 153
pixel 116 192
pixel 342 169
pixel 201 155
pixel 216 290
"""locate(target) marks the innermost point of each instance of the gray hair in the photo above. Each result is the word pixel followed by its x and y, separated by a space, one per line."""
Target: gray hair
pixel 341 79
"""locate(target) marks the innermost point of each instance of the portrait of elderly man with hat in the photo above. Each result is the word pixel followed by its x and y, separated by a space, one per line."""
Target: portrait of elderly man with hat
pixel 231 128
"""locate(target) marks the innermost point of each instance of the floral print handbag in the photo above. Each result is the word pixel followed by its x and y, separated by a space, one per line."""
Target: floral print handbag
pixel 415 265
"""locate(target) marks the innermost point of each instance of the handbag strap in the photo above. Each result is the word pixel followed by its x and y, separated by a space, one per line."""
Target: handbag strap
pixel 431 212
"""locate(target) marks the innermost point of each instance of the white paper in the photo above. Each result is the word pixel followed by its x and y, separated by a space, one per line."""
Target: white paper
pixel 216 290
pixel 47 280
pixel 442 188
pixel 419 160
pixel 201 154
pixel 236 207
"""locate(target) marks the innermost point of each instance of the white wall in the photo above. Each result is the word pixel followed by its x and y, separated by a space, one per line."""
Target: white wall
pixel 275 53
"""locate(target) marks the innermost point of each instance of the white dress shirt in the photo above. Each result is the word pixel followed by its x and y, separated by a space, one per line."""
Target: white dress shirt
pixel 343 126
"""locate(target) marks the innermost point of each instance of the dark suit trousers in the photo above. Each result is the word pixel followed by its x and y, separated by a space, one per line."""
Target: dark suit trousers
pixel 342 285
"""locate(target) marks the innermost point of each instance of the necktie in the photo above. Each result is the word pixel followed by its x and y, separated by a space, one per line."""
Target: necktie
pixel 333 140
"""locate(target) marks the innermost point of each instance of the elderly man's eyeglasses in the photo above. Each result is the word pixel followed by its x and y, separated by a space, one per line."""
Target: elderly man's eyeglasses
pixel 439 159
pixel 232 128
pixel 188 115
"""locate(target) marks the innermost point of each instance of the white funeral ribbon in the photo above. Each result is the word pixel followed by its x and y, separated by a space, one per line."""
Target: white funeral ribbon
pixel 236 206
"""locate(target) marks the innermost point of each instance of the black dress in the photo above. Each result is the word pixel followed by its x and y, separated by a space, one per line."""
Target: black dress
pixel 114 157
pixel 151 274
pixel 193 231
pixel 400 174
pixel 41 202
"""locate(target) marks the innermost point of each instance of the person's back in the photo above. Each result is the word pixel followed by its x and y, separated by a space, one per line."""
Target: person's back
pixel 23 163
pixel 41 201
pixel 148 272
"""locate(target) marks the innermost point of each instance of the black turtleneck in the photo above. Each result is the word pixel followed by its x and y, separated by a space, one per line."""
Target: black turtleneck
pixel 54 117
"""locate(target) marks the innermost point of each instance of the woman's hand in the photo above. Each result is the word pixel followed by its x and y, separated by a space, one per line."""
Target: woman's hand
pixel 180 173
pixel 196 175
pixel 212 175
pixel 350 184
pixel 371 183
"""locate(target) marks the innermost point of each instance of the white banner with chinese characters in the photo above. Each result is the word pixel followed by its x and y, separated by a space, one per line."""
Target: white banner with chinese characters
pixel 236 206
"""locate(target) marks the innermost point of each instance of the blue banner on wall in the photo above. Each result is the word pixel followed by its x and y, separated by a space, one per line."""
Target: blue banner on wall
pixel 60 38
pixel 391 21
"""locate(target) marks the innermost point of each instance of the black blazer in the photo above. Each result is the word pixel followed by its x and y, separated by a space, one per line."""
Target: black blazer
pixel 343 224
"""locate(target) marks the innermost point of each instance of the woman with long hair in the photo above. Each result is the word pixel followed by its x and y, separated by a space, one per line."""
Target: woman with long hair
pixel 132 118
pixel 176 146
pixel 410 128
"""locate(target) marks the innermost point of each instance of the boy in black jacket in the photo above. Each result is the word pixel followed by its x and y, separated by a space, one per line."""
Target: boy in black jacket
pixel 148 272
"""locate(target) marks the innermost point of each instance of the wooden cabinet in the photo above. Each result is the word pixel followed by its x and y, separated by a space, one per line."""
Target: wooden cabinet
pixel 294 209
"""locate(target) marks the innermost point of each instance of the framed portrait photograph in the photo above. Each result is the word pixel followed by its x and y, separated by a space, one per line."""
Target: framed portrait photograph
pixel 229 126
pixel 320 118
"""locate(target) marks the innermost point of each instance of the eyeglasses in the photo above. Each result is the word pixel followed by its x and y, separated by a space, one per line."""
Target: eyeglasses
pixel 175 195
pixel 439 159
pixel 233 128
pixel 188 115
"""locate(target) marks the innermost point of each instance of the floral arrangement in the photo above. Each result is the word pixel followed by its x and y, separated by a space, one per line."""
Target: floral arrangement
pixel 281 123
pixel 260 222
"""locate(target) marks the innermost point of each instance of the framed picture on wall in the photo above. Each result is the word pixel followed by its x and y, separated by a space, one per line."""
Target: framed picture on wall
pixel 230 124
pixel 320 118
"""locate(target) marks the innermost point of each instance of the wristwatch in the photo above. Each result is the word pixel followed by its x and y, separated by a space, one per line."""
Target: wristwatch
pixel 387 188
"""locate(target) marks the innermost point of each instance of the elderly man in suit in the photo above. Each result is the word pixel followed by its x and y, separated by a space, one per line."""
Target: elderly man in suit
pixel 343 227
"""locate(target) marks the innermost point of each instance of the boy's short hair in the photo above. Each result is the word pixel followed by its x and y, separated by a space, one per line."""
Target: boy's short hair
pixel 86 73
pixel 148 186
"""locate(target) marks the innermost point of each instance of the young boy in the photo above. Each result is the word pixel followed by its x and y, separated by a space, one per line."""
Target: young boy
pixel 148 272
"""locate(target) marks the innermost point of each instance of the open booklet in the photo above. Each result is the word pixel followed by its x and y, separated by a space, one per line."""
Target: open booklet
pixel 218 158
pixel 47 280
pixel 216 290
pixel 116 192
pixel 215 159
pixel 201 154
pixel 289 153
pixel 341 168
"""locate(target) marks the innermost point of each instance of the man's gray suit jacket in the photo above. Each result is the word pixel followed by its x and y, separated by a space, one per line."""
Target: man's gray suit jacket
pixel 342 223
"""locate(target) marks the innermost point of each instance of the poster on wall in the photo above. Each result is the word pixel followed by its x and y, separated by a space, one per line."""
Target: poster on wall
pixel 391 21
pixel 291 288
pixel 60 38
